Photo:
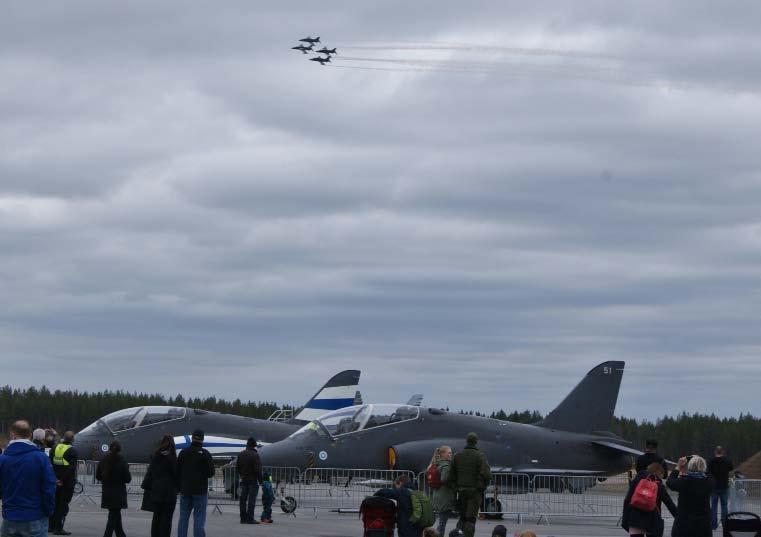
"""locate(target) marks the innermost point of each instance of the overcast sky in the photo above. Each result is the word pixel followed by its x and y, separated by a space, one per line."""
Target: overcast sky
pixel 502 197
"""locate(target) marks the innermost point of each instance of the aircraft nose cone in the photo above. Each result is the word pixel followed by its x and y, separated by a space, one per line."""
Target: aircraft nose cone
pixel 283 456
pixel 89 447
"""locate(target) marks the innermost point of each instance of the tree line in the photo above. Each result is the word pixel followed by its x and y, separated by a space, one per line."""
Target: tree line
pixel 75 410
pixel 72 409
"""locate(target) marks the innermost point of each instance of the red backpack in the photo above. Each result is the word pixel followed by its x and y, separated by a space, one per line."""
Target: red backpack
pixel 645 496
pixel 433 477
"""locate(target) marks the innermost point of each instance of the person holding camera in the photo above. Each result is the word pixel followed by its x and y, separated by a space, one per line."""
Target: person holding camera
pixel 693 517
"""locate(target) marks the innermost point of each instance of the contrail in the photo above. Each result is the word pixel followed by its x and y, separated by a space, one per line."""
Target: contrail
pixel 616 77
pixel 468 63
pixel 492 67
pixel 526 51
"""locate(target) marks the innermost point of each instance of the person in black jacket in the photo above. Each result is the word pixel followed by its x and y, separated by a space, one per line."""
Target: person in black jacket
pixel 194 469
pixel 64 457
pixel 249 468
pixel 693 517
pixel 401 494
pixel 719 468
pixel 160 485
pixel 642 523
pixel 113 473
pixel 649 456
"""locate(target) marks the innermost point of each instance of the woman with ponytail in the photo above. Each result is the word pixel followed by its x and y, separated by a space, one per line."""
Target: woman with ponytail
pixel 437 476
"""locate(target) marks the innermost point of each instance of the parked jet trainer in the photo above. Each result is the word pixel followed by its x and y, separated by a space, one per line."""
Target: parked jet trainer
pixel 573 440
pixel 140 429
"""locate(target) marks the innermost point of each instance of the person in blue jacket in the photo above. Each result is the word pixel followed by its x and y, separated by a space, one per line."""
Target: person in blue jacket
pixel 268 497
pixel 28 485
pixel 403 497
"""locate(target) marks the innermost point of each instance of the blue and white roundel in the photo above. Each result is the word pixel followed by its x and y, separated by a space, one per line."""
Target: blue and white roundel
pixel 323 455
pixel 104 448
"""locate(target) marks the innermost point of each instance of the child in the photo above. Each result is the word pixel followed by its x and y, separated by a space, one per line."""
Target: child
pixel 268 496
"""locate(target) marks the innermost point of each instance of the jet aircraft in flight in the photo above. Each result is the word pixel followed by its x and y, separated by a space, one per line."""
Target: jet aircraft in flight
pixel 140 429
pixel 573 440
pixel 303 48
pixel 327 51
pixel 320 59
pixel 310 39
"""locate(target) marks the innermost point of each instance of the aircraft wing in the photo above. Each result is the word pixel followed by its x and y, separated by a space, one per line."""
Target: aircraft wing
pixel 530 470
pixel 617 447
pixel 625 449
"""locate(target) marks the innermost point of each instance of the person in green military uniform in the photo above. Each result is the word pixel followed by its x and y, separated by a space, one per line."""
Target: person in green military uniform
pixel 470 474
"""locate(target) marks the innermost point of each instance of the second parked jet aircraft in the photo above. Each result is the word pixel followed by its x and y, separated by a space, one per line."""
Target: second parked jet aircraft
pixel 574 439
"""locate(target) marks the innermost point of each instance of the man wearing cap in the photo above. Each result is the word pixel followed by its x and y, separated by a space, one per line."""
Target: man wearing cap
pixel 470 473
pixel 249 467
pixel 194 469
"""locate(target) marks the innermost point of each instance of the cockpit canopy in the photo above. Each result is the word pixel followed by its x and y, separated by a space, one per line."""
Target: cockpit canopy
pixel 130 418
pixel 360 418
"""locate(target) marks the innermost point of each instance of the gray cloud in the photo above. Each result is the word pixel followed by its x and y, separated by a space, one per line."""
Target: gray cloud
pixel 186 206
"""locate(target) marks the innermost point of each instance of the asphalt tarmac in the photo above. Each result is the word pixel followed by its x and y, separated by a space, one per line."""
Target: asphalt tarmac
pixel 87 520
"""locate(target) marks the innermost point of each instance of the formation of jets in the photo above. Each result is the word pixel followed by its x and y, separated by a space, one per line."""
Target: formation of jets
pixel 307 45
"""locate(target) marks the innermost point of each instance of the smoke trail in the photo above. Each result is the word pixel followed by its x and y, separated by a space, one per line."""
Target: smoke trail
pixel 469 47
pixel 492 67
pixel 522 71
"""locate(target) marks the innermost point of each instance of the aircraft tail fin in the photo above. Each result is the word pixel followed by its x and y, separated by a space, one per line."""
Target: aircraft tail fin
pixel 591 404
pixel 338 392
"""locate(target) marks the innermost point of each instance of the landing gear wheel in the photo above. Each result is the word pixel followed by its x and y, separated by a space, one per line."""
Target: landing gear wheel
pixel 492 509
pixel 288 505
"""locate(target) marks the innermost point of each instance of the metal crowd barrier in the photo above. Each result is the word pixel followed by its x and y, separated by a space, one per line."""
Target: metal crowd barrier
pixel 343 489
pixel 508 494
pixel 745 495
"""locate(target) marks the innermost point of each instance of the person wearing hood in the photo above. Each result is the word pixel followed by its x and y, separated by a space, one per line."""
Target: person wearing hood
pixel 113 473
pixel 160 486
pixel 249 467
pixel 400 493
pixel 268 498
pixel 194 469
pixel 28 485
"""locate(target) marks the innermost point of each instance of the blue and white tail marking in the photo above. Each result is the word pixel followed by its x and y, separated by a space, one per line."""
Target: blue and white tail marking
pixel 218 446
pixel 338 392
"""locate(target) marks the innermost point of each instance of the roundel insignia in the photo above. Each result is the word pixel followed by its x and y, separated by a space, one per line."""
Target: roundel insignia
pixel 104 448
pixel 323 455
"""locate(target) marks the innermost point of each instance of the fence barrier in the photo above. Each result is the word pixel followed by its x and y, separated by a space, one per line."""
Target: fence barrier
pixel 508 494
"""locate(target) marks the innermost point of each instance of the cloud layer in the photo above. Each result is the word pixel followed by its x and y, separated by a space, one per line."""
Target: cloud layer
pixel 188 206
